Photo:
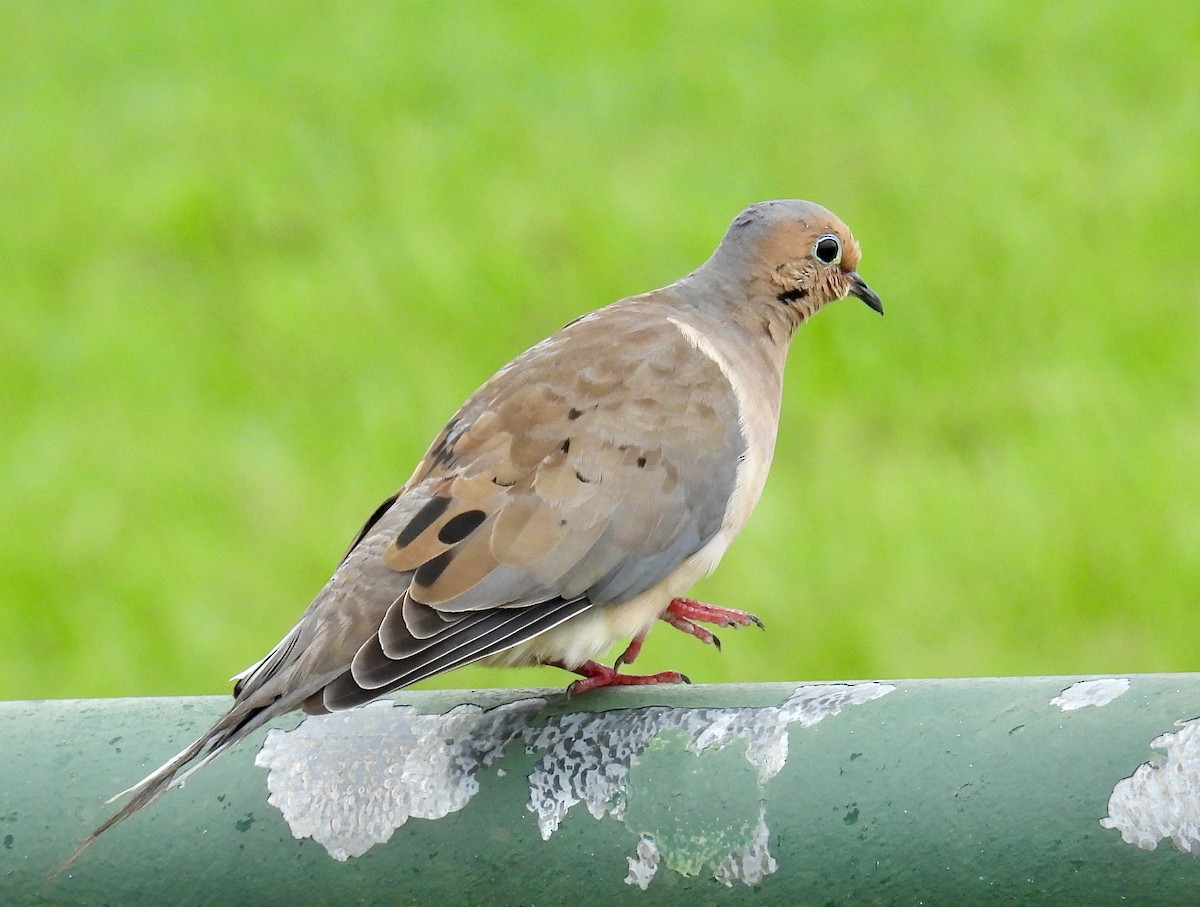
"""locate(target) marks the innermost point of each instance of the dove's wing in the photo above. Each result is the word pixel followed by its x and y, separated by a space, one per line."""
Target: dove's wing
pixel 579 476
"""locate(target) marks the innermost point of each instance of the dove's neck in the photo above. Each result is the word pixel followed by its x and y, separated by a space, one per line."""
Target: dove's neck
pixel 748 337
pixel 744 320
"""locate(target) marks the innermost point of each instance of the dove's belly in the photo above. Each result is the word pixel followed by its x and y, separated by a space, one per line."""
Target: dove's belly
pixel 592 633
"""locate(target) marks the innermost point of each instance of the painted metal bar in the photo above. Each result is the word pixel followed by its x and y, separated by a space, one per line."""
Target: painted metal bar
pixel 977 791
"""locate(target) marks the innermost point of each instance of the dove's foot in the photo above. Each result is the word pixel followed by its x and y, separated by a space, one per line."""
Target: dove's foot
pixel 687 614
pixel 596 675
pixel 632 651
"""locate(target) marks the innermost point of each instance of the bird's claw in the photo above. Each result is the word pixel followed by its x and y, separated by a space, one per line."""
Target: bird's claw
pixel 692 611
pixel 596 675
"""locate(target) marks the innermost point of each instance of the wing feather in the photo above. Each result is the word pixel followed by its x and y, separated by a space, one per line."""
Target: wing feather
pixel 489 633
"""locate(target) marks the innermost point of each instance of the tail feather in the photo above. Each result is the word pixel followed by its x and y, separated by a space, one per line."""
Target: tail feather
pixel 230 728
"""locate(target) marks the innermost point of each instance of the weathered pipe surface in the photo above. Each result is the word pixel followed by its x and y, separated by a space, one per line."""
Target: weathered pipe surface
pixel 979 791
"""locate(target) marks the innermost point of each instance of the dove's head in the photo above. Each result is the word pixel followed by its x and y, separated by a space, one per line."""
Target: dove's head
pixel 799 253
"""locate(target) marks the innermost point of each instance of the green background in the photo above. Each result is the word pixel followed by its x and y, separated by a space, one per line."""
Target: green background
pixel 253 255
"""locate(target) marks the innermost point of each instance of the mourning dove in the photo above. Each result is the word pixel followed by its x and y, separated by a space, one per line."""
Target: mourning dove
pixel 572 499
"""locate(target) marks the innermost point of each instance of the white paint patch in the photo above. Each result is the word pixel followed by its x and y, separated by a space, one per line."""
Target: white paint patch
pixel 588 754
pixel 1162 800
pixel 643 864
pixel 1091 692
pixel 750 865
pixel 754 863
pixel 350 779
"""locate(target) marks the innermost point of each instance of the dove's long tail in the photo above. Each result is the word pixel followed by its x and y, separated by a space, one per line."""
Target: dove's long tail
pixel 243 719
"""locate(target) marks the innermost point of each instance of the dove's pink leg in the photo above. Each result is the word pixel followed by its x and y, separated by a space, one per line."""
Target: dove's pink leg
pixel 683 614
pixel 690 611
pixel 682 623
pixel 632 651
pixel 593 675
pixel 686 614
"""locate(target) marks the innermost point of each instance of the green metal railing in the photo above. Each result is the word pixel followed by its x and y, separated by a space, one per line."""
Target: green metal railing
pixel 978 791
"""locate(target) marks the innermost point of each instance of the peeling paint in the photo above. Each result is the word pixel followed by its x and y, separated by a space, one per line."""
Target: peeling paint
pixel 754 863
pixel 589 756
pixel 750 865
pixel 1091 692
pixel 643 864
pixel 1162 800
pixel 350 779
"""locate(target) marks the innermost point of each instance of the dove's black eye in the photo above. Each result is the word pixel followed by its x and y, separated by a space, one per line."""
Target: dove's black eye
pixel 828 250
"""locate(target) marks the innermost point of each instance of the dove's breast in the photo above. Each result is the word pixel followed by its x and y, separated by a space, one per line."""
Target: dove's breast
pixel 758 392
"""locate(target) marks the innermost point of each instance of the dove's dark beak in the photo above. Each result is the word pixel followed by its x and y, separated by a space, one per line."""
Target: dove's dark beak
pixel 859 288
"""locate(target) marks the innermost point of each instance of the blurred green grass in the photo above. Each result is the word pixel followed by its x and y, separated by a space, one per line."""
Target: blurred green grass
pixel 252 255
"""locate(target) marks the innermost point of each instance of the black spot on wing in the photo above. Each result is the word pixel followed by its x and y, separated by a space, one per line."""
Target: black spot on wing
pixel 427 574
pixel 460 526
pixel 425 518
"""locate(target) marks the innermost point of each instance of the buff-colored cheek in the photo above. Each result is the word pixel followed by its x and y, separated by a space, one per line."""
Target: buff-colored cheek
pixel 786 275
